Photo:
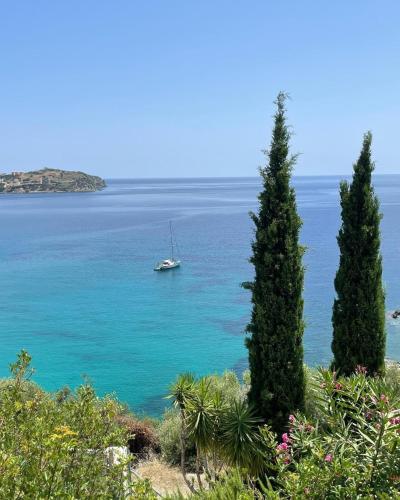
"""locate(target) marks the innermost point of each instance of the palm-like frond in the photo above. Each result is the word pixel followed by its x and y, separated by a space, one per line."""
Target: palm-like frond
pixel 240 436
pixel 201 415
pixel 182 390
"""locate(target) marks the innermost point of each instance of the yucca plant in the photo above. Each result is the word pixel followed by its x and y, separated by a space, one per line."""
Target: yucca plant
pixel 182 393
pixel 241 441
pixel 201 414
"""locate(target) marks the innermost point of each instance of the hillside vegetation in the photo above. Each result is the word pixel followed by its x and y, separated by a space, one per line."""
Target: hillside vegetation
pixel 49 180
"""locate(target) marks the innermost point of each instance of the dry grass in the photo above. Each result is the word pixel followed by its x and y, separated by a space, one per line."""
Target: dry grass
pixel 164 478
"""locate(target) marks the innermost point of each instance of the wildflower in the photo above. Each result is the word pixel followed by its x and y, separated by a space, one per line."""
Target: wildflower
pixel 361 370
pixel 282 447
pixel 368 415
pixel 328 458
pixel 384 399
pixel 61 432
pixel 285 438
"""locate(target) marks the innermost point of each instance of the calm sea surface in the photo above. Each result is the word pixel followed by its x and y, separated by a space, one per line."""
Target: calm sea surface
pixel 78 290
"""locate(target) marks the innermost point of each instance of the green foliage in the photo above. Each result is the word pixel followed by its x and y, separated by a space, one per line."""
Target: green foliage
pixel 225 431
pixel 240 439
pixel 57 449
pixel 142 490
pixel 226 387
pixel 276 327
pixel 312 393
pixel 351 450
pixel 349 446
pixel 168 432
pixel 359 310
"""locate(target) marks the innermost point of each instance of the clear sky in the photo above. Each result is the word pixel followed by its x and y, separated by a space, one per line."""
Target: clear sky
pixel 185 88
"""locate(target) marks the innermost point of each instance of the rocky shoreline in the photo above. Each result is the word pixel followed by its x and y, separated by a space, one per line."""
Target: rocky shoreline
pixel 50 180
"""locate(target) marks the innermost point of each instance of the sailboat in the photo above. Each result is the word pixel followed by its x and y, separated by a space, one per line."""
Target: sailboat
pixel 172 262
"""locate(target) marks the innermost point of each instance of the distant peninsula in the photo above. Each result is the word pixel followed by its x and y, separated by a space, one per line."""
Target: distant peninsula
pixel 50 180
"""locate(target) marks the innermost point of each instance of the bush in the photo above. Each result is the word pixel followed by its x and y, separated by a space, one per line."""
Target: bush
pixel 352 450
pixel 53 448
pixel 229 385
pixel 347 446
pixel 168 433
pixel 28 389
pixel 141 435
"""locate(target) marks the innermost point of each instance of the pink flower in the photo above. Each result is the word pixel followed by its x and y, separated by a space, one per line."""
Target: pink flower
pixel 384 398
pixel 338 386
pixel 395 420
pixel 285 438
pixel 328 458
pixel 282 447
pixel 292 419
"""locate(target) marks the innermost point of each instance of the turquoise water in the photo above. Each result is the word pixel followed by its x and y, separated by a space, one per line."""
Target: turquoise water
pixel 79 292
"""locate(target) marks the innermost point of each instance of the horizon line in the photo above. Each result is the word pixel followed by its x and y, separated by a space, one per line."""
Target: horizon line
pixel 236 176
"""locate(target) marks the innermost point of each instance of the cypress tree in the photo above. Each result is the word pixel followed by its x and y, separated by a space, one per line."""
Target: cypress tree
pixel 276 326
pixel 359 309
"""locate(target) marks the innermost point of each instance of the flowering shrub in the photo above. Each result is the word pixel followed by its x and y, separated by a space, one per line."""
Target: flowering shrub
pixel 351 450
pixel 56 447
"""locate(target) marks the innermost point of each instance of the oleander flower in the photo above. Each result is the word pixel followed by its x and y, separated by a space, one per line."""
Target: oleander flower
pixel 282 447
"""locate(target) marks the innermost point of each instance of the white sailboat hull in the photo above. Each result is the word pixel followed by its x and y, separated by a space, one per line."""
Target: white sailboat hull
pixel 165 265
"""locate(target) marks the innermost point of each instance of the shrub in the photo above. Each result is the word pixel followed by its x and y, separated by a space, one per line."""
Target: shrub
pixel 351 450
pixel 57 448
pixel 168 433
pixel 141 435
pixel 28 389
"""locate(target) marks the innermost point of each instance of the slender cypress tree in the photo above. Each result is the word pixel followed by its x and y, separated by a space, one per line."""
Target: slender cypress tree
pixel 359 309
pixel 276 326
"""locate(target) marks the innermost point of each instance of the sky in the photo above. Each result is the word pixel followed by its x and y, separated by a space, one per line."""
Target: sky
pixel 186 88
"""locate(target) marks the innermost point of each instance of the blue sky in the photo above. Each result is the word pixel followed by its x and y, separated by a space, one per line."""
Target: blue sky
pixel 185 88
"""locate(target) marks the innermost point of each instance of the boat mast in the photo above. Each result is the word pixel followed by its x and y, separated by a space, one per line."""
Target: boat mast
pixel 172 241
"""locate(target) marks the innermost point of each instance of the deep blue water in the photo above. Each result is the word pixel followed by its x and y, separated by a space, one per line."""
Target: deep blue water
pixel 78 290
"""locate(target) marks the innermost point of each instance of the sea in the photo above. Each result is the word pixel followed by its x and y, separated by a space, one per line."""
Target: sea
pixel 79 293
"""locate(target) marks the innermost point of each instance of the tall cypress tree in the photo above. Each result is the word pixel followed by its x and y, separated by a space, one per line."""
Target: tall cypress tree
pixel 359 309
pixel 276 326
